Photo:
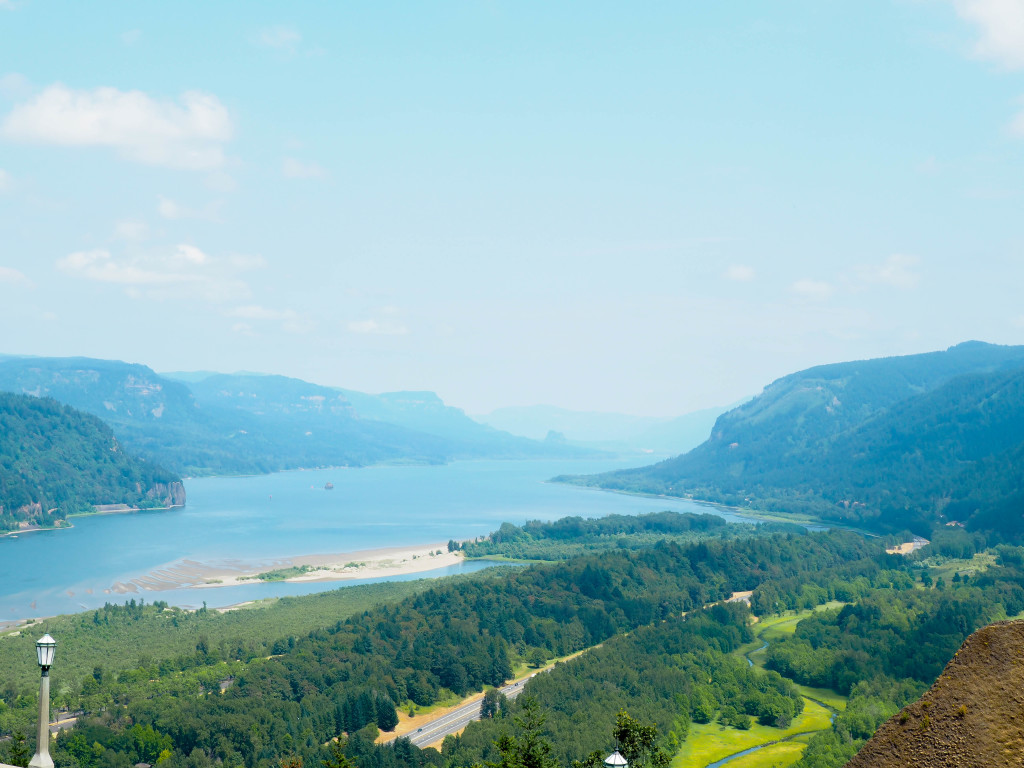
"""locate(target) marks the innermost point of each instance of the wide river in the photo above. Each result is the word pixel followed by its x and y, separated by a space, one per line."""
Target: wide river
pixel 260 518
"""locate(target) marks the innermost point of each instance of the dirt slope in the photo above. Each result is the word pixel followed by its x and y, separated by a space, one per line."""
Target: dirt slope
pixel 972 716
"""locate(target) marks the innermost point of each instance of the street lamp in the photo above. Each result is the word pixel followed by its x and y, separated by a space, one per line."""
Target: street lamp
pixel 45 647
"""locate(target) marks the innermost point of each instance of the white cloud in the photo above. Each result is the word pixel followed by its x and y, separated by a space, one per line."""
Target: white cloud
pixel 10 275
pixel 219 181
pixel 179 272
pixel 1001 27
pixel 897 271
pixel 131 229
pixel 291 321
pixel 242 262
pixel 295 169
pixel 99 265
pixel 6 182
pixel 257 312
pixel 381 327
pixel 1017 125
pixel 740 273
pixel 169 209
pixel 189 134
pixel 929 166
pixel 815 290
pixel 281 38
pixel 190 255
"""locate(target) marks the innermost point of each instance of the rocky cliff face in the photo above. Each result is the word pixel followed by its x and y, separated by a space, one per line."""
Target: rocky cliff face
pixel 971 717
pixel 169 494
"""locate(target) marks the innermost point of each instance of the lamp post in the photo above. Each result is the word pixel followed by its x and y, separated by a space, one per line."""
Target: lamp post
pixel 45 646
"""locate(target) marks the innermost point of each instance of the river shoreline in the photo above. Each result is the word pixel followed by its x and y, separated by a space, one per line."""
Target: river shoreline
pixel 325 567
pixel 123 509
pixel 334 567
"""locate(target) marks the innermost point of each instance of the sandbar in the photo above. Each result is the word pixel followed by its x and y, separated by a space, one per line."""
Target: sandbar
pixel 337 566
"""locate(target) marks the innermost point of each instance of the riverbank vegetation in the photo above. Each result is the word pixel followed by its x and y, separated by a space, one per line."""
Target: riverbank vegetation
pixel 575 536
pixel 56 461
pixel 255 687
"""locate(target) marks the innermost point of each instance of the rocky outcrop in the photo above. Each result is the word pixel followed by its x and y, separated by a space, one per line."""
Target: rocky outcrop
pixel 970 718
pixel 169 494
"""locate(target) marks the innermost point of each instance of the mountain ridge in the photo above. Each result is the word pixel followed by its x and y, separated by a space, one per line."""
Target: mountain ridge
pixel 247 423
pixel 893 443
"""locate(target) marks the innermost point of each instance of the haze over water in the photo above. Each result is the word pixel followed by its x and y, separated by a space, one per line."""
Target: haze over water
pixel 257 519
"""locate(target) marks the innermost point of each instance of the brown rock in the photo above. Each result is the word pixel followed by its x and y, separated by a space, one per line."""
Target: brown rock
pixel 972 717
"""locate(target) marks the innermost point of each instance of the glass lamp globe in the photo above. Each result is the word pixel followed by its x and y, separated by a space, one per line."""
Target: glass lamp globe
pixel 45 647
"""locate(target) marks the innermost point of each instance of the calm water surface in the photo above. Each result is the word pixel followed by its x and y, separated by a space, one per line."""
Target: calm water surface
pixel 255 519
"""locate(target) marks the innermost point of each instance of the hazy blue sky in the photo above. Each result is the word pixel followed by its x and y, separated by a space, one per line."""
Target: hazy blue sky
pixel 646 207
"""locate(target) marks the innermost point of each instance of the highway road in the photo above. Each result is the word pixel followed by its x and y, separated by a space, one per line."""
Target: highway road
pixel 457 719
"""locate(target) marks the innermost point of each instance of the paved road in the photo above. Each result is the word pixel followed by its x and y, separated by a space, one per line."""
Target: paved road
pixel 64 720
pixel 457 719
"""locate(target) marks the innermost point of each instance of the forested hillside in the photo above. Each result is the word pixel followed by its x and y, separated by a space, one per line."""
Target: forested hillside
pixel 694 670
pixel 256 424
pixel 896 443
pixel 55 461
pixel 452 638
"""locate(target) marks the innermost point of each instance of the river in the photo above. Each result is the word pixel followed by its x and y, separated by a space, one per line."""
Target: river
pixel 288 514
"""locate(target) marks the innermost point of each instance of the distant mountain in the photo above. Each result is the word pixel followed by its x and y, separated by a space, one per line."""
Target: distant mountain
pixel 419 421
pixel 970 718
pixel 888 443
pixel 426 412
pixel 55 461
pixel 609 431
pixel 249 423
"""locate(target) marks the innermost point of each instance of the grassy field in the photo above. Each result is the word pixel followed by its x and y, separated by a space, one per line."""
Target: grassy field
pixel 775 627
pixel 774 756
pixel 710 742
pixel 945 568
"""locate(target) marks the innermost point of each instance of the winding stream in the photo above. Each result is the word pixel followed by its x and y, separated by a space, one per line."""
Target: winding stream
pixel 729 758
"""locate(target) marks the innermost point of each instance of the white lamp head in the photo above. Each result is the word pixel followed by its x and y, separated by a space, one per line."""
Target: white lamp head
pixel 45 646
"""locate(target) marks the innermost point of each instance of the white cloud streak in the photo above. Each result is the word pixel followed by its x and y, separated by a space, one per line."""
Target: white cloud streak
pixel 379 327
pixel 280 38
pixel 1017 125
pixel 181 272
pixel 897 271
pixel 99 265
pixel 1001 27
pixel 290 320
pixel 740 273
pixel 11 275
pixel 172 210
pixel 296 169
pixel 189 134
pixel 131 229
pixel 815 290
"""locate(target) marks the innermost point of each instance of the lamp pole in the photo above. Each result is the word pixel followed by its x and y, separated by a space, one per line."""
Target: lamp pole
pixel 44 655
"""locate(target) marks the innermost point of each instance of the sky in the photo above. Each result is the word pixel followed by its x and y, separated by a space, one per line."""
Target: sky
pixel 648 208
